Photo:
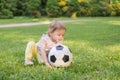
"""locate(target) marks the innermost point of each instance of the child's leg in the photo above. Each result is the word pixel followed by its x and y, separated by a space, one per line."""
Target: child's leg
pixel 31 49
pixel 38 55
pixel 39 58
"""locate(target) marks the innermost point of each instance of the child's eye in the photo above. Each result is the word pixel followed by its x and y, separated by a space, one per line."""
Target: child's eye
pixel 59 34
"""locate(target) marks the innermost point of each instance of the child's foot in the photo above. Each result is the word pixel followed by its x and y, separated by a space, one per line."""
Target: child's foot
pixel 28 63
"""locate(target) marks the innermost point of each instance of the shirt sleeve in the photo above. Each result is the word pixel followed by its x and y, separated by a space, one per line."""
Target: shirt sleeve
pixel 42 41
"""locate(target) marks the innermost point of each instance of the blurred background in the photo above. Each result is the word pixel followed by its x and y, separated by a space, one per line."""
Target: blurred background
pixel 58 8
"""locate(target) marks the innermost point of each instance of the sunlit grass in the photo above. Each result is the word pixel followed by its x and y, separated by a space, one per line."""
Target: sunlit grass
pixel 95 45
pixel 115 22
pixel 30 19
pixel 46 19
pixel 114 48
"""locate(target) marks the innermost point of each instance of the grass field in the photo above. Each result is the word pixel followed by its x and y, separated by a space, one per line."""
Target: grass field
pixel 28 19
pixel 95 45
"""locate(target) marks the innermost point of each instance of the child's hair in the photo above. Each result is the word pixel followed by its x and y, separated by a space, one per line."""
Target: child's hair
pixel 56 25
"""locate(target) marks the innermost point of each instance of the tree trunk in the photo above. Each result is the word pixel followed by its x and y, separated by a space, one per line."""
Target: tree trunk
pixel 43 3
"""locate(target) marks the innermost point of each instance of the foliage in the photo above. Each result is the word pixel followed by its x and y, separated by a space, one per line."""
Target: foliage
pixel 101 9
pixel 57 8
pixel 117 9
pixel 6 14
pixel 53 10
pixel 21 8
pixel 6 8
pixel 85 8
pixel 73 8
pixel 28 8
pixel 33 7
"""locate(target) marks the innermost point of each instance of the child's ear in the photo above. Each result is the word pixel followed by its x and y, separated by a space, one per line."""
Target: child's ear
pixel 50 33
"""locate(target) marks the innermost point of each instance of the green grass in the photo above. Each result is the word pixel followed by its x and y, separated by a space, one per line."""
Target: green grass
pixel 23 20
pixel 28 19
pixel 95 45
pixel 42 19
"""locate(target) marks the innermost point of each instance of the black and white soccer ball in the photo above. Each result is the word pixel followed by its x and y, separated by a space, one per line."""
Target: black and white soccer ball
pixel 60 56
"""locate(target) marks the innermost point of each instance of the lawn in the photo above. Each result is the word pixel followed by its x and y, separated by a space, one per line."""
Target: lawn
pixel 95 44
pixel 29 19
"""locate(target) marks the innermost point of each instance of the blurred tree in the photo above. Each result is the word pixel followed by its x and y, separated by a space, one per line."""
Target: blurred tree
pixel 43 7
pixel 37 8
pixel 43 3
pixel 21 8
pixel 6 8
pixel 33 8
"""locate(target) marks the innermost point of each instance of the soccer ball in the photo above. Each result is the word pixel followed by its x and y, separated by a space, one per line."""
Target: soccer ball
pixel 60 56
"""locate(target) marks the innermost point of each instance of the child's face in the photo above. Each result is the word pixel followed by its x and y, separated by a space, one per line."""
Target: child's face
pixel 58 35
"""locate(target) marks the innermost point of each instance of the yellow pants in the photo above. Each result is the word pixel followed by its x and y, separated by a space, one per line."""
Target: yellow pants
pixel 31 50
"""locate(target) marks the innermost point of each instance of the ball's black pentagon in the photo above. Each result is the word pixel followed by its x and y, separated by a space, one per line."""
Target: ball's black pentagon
pixel 53 58
pixel 59 47
pixel 65 58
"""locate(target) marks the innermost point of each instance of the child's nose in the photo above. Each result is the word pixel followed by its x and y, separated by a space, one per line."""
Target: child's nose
pixel 61 38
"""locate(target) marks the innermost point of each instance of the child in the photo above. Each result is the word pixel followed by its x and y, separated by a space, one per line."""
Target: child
pixel 41 49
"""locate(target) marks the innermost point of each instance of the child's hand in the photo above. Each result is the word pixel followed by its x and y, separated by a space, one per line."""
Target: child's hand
pixel 59 42
pixel 48 65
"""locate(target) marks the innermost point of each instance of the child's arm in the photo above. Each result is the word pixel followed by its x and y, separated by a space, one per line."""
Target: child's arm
pixel 44 56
